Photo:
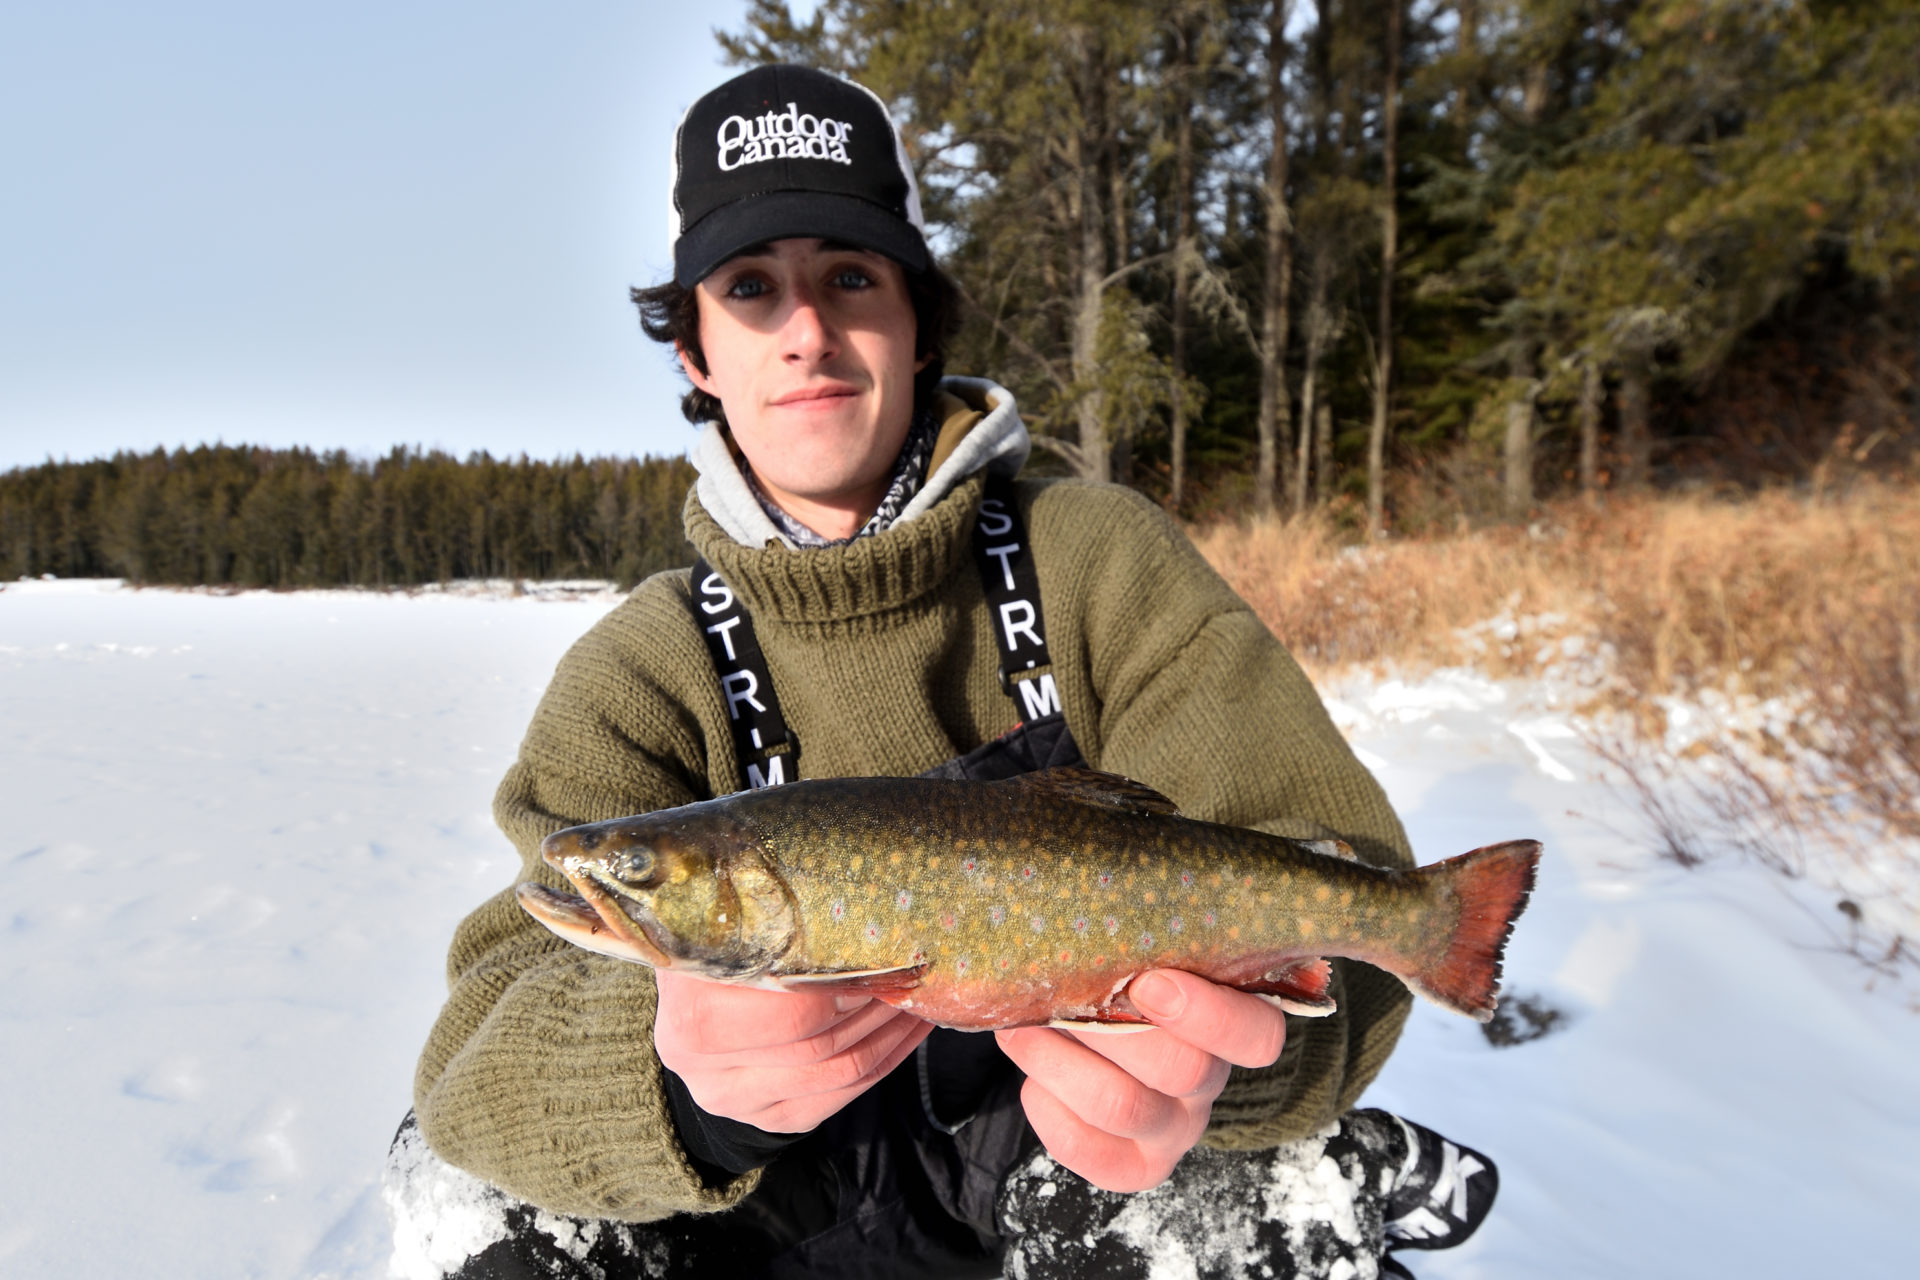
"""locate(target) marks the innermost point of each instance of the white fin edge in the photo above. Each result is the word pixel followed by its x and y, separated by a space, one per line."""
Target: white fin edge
pixel 1295 1007
pixel 1103 1028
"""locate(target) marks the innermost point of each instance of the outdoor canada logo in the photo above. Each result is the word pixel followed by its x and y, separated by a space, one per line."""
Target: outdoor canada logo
pixel 781 135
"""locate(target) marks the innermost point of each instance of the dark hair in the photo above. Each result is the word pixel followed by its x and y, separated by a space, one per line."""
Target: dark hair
pixel 670 313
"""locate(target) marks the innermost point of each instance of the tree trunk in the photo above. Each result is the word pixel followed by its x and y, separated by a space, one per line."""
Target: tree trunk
pixel 1183 180
pixel 1319 330
pixel 1389 233
pixel 1303 453
pixel 1590 390
pixel 1272 422
pixel 1468 47
pixel 1323 453
pixel 1519 441
pixel 1533 92
pixel 1095 461
pixel 1636 439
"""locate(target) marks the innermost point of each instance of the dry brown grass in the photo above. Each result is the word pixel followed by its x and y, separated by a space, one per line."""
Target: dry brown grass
pixel 1687 591
pixel 1806 609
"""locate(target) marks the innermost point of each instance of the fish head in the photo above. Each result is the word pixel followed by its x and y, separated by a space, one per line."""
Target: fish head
pixel 678 890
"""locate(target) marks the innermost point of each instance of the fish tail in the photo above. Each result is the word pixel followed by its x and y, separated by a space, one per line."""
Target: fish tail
pixel 1490 886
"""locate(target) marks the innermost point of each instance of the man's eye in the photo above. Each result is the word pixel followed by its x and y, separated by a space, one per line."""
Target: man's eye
pixel 852 278
pixel 747 287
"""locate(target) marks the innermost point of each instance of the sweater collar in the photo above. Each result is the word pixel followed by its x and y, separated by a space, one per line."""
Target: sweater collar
pixel 981 432
pixel 857 579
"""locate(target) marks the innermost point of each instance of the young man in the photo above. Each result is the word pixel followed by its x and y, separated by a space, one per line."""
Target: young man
pixel 619 1121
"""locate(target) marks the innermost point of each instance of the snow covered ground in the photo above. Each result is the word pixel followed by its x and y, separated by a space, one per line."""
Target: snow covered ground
pixel 241 828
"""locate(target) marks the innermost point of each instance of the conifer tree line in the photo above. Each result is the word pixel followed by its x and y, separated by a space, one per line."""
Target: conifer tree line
pixel 224 514
pixel 1292 252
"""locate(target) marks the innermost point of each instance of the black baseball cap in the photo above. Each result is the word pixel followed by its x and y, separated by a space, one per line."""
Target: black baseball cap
pixel 789 151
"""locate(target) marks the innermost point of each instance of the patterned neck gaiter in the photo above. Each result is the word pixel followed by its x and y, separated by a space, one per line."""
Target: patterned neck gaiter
pixel 909 473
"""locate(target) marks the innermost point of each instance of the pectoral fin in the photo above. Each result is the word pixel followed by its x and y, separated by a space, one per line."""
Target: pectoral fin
pixel 873 982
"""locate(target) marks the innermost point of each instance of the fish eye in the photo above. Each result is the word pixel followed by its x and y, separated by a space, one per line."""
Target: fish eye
pixel 636 867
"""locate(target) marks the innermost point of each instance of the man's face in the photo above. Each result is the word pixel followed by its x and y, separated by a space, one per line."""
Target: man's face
pixel 810 349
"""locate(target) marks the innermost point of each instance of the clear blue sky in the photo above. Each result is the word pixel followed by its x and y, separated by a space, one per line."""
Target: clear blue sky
pixel 349 224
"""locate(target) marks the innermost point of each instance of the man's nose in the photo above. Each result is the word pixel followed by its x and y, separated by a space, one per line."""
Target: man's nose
pixel 809 332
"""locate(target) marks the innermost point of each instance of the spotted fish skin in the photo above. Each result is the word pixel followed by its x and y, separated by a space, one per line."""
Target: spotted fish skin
pixel 1035 900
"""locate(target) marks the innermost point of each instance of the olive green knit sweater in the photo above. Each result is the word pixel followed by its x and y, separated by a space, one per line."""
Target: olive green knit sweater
pixel 540 1074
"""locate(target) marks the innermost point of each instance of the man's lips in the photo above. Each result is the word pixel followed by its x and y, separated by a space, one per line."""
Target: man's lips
pixel 821 391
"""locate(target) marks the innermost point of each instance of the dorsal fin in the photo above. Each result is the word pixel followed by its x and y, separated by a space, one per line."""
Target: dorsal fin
pixel 1090 786
pixel 1332 849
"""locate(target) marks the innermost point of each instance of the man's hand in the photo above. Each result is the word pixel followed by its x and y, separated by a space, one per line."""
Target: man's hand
pixel 780 1061
pixel 1121 1109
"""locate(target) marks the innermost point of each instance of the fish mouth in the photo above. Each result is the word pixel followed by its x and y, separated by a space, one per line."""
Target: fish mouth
pixel 591 920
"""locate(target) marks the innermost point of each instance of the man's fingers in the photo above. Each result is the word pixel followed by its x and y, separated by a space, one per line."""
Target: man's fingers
pixel 1241 1028
pixel 1161 1061
pixel 1095 1088
pixel 704 1017
pixel 796 1110
pixel 837 1039
pixel 864 1061
pixel 1108 1162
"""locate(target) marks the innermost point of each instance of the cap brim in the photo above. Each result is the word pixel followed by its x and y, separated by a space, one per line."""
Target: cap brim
pixel 780 215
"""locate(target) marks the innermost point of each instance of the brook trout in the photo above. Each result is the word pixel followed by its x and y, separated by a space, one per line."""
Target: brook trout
pixel 1032 901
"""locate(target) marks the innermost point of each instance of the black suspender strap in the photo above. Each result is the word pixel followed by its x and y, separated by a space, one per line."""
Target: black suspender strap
pixel 769 753
pixel 1005 560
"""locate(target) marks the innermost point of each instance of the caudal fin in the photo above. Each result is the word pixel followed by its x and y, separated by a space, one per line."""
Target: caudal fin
pixel 1490 887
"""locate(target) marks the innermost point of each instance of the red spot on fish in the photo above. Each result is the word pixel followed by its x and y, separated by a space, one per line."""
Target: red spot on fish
pixel 1066 956
pixel 1026 873
pixel 946 921
pixel 1038 924
pixel 1113 926
pixel 873 932
pixel 1146 939
pixel 1080 925
pixel 1186 877
pixel 904 900
pixel 1246 882
pixel 1106 878
pixel 997 914
pixel 968 865
pixel 1209 919
pixel 1176 924
pixel 839 908
pixel 961 965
